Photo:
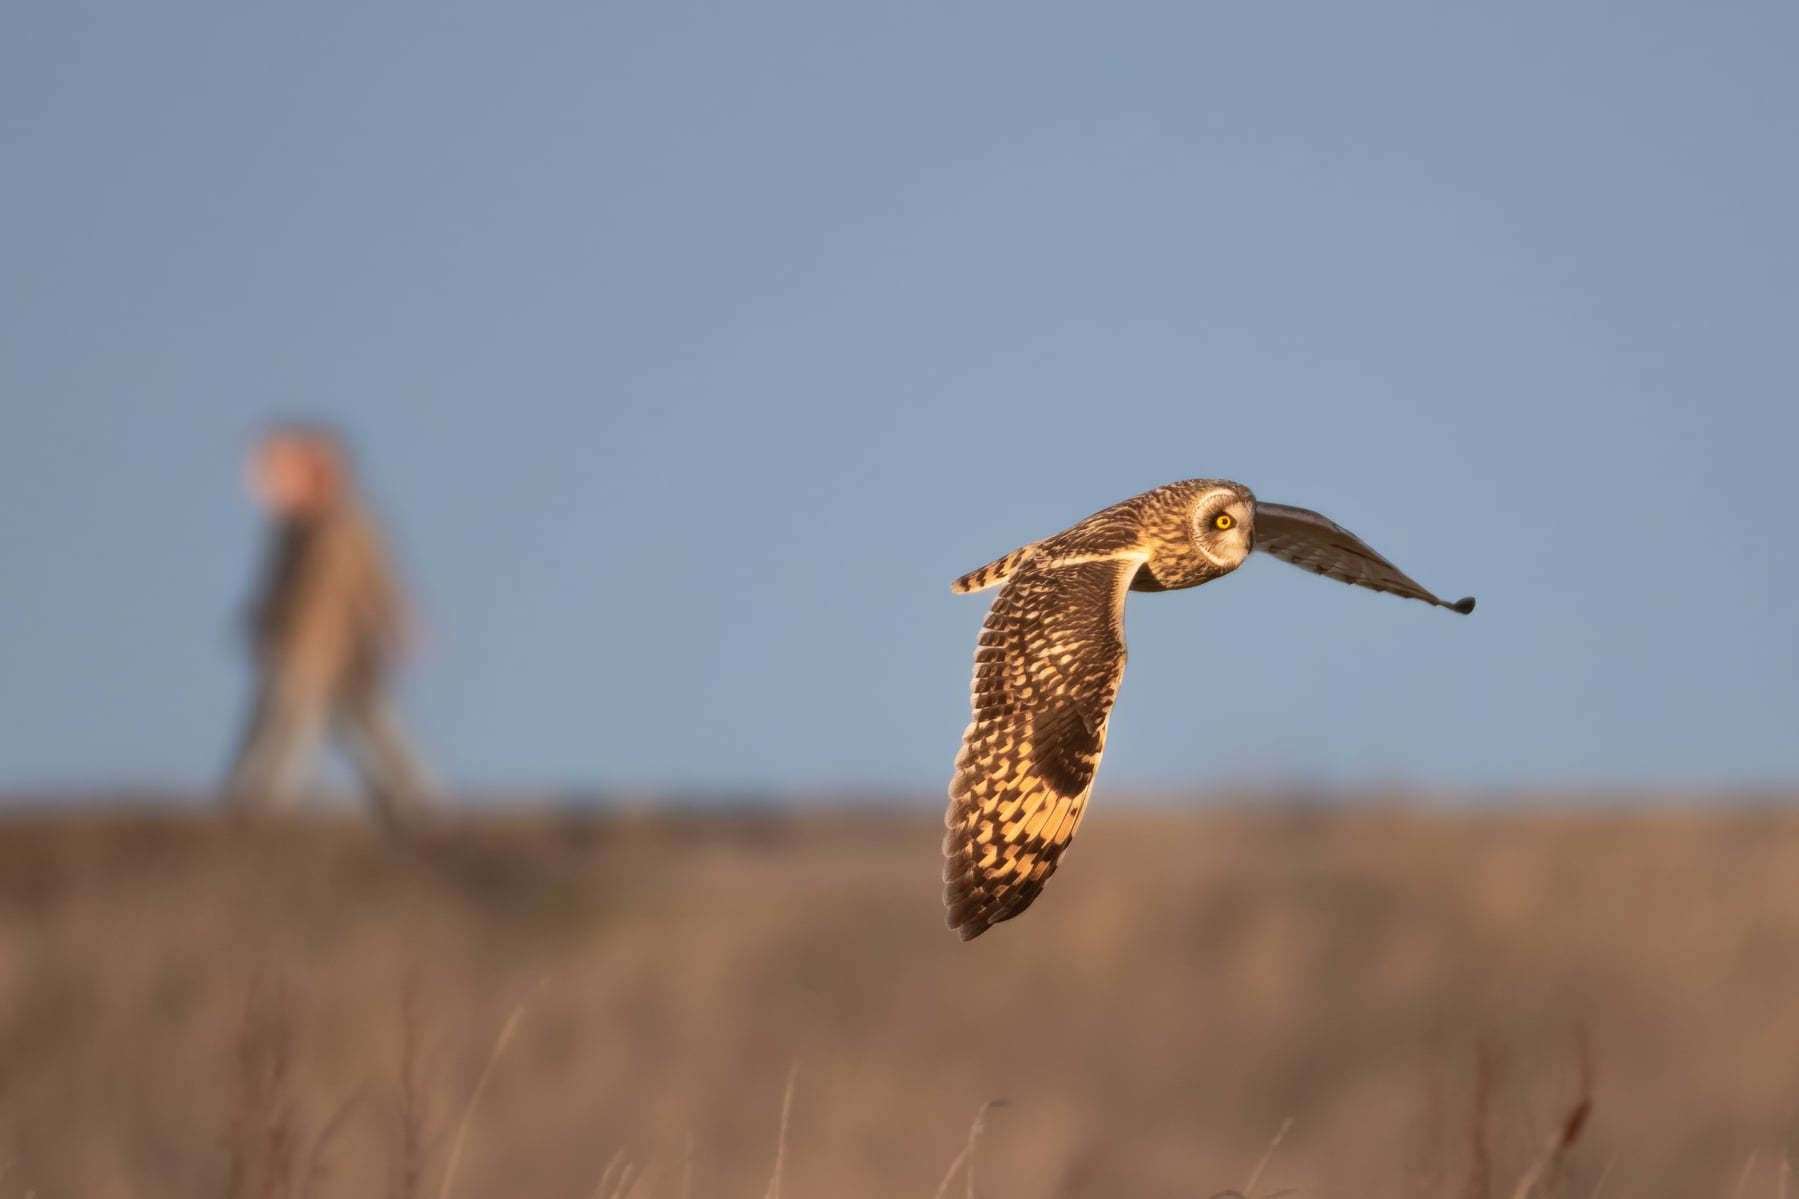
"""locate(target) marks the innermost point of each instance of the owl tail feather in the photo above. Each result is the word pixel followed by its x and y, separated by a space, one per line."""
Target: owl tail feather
pixel 992 574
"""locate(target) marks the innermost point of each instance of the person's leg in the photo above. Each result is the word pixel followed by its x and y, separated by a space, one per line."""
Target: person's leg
pixel 396 781
pixel 281 734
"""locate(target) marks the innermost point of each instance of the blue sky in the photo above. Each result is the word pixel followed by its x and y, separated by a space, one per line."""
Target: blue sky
pixel 691 350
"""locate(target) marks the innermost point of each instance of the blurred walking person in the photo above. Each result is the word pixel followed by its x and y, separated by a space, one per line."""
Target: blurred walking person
pixel 326 632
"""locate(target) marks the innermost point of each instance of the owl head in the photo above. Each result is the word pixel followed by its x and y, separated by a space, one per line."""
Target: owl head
pixel 1224 517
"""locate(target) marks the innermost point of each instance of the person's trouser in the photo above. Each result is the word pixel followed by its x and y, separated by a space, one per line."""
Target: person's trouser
pixel 283 736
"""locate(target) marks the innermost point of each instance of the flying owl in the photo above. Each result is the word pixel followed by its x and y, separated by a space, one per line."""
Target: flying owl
pixel 1051 656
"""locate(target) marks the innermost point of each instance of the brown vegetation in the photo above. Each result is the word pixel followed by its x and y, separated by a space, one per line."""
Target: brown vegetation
pixel 553 1006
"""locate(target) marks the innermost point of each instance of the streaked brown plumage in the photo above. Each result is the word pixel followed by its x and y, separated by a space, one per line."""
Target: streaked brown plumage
pixel 1051 656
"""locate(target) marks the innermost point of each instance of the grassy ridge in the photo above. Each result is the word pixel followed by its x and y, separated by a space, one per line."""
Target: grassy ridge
pixel 188 1009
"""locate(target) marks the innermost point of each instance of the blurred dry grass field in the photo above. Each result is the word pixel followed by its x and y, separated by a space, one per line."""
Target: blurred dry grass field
pixel 188 1009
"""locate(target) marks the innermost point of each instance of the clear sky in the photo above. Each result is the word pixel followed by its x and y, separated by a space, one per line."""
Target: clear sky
pixel 692 349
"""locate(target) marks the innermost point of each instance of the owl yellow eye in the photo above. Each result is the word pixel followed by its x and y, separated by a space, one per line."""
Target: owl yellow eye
pixel 1223 520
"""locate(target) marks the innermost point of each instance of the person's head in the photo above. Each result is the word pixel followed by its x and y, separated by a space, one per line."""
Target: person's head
pixel 299 471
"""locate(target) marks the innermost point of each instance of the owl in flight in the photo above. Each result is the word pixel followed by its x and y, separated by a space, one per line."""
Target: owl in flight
pixel 1051 656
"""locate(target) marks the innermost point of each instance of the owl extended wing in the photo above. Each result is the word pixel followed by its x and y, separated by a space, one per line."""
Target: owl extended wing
pixel 1050 659
pixel 1318 544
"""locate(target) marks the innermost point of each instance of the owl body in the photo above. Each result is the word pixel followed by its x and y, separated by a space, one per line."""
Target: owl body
pixel 1051 657
pixel 1158 525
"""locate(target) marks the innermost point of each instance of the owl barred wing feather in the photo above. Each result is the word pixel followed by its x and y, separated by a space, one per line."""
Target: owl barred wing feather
pixel 1316 543
pixel 1048 666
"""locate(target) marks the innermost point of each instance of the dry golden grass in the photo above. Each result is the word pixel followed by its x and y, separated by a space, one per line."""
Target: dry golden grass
pixel 579 1006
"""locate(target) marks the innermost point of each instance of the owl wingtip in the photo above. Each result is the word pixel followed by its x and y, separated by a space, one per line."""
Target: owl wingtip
pixel 966 926
pixel 1464 605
